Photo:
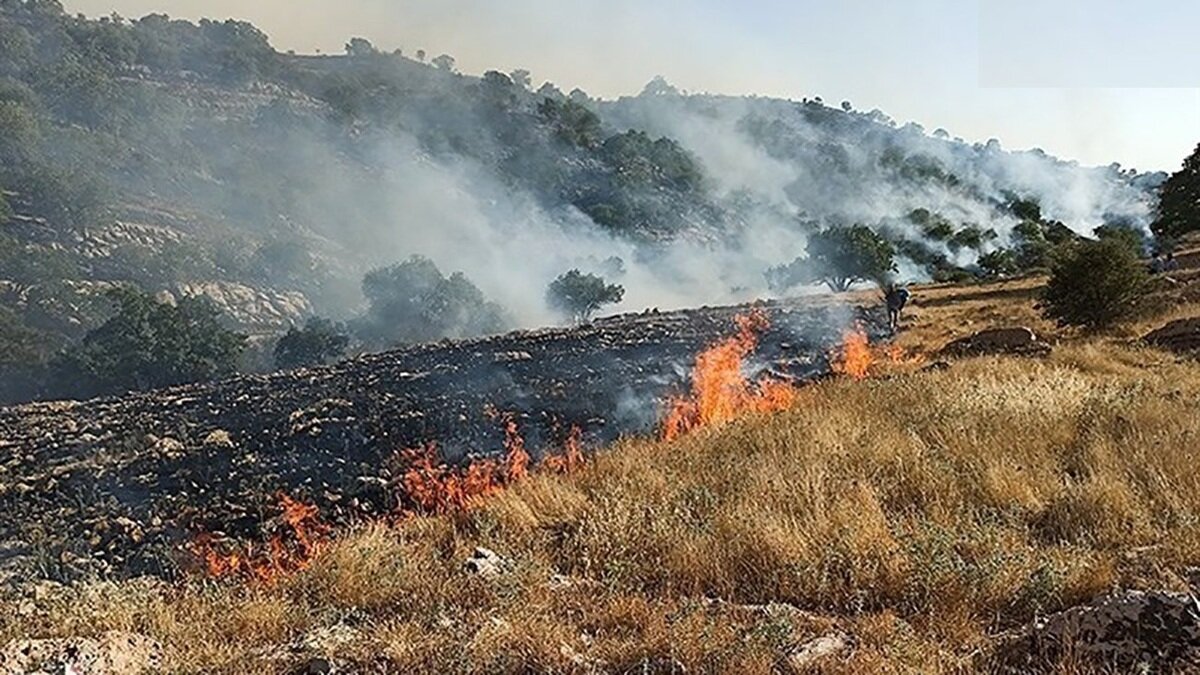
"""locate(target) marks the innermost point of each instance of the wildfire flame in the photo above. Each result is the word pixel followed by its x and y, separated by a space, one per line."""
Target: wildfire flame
pixel 430 486
pixel 283 554
pixel 720 392
pixel 857 358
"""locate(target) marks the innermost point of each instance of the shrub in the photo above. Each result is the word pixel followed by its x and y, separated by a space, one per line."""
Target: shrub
pixel 318 343
pixel 149 344
pixel 1094 284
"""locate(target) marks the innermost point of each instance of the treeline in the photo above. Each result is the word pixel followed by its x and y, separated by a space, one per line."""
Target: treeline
pixel 147 342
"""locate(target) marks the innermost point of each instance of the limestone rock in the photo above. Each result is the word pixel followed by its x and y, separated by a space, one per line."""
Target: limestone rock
pixel 1018 340
pixel 113 653
pixel 1130 630
pixel 487 563
pixel 808 654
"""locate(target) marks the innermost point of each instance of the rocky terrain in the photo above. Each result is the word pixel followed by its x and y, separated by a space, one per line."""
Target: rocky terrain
pixel 114 486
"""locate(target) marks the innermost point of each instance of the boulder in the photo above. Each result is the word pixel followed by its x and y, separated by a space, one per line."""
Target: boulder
pixel 1182 336
pixel 1129 631
pixel 487 563
pixel 1019 340
pixel 803 657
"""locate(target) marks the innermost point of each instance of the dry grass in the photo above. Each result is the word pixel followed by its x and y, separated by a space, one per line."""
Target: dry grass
pixel 920 513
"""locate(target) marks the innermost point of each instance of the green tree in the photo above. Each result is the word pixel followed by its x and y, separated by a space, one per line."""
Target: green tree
pixel 6 211
pixel 444 62
pixel 413 301
pixel 1127 236
pixel 582 295
pixel 838 257
pixel 148 344
pixel 360 47
pixel 320 341
pixel 1179 201
pixel 1094 284
pixel 1001 262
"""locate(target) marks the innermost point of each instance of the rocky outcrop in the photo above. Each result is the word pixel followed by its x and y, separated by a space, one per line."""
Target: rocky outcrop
pixel 1130 631
pixel 113 653
pixel 254 309
pixel 1019 341
pixel 1182 336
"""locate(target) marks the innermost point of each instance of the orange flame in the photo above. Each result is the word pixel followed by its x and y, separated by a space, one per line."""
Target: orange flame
pixel 720 392
pixel 856 358
pixel 430 486
pixel 571 458
pixel 283 554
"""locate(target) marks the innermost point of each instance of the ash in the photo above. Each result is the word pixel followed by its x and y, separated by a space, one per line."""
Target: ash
pixel 116 487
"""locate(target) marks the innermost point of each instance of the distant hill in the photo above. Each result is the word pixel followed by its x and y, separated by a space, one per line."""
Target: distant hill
pixel 195 158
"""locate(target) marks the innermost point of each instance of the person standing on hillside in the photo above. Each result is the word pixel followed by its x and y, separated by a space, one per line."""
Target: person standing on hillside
pixel 896 298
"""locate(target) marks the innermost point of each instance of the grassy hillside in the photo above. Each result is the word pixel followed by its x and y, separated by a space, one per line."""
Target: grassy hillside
pixel 919 512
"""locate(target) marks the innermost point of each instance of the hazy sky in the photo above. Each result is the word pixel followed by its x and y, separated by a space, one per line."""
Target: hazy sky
pixel 1083 79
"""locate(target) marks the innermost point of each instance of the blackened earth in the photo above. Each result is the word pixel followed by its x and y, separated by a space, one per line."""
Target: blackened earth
pixel 118 486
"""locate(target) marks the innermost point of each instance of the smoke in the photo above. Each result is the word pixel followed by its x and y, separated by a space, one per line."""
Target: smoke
pixel 855 167
pixel 769 165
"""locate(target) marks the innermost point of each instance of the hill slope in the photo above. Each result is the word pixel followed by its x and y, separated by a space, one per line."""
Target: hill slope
pixel 197 159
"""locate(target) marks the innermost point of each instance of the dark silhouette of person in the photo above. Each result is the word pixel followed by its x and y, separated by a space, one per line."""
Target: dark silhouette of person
pixel 896 298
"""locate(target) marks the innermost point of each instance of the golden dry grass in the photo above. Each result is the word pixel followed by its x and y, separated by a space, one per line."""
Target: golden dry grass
pixel 920 513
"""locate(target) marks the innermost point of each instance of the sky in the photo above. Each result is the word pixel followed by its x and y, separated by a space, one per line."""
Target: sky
pixel 1098 81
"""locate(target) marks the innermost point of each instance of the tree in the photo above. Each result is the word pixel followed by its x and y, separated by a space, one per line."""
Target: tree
pixel 1001 262
pixel 319 342
pixel 1025 209
pixel 413 301
pixel 6 211
pixel 581 295
pixel 838 257
pixel 149 344
pixel 360 47
pixel 444 62
pixel 1094 284
pixel 1124 234
pixel 1179 201
pixel 421 55
pixel 521 77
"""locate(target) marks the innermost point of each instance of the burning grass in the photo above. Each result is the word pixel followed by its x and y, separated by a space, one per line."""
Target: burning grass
pixel 917 513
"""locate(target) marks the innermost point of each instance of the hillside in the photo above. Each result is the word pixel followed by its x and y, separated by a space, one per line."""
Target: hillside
pixel 195 159
pixel 911 523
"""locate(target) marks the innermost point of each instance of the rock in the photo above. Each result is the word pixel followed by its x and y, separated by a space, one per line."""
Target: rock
pixel 1133 630
pixel 802 657
pixel 218 438
pixel 1182 336
pixel 113 653
pixel 1019 341
pixel 487 563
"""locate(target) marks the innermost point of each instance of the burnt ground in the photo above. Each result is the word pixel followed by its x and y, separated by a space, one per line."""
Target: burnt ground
pixel 115 486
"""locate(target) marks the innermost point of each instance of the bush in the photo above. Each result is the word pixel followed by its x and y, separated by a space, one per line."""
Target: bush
pixel 1094 284
pixel 999 263
pixel 413 302
pixel 318 343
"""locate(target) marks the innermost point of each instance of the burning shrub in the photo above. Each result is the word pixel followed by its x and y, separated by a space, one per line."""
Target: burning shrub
pixel 581 295
pixel 1094 284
